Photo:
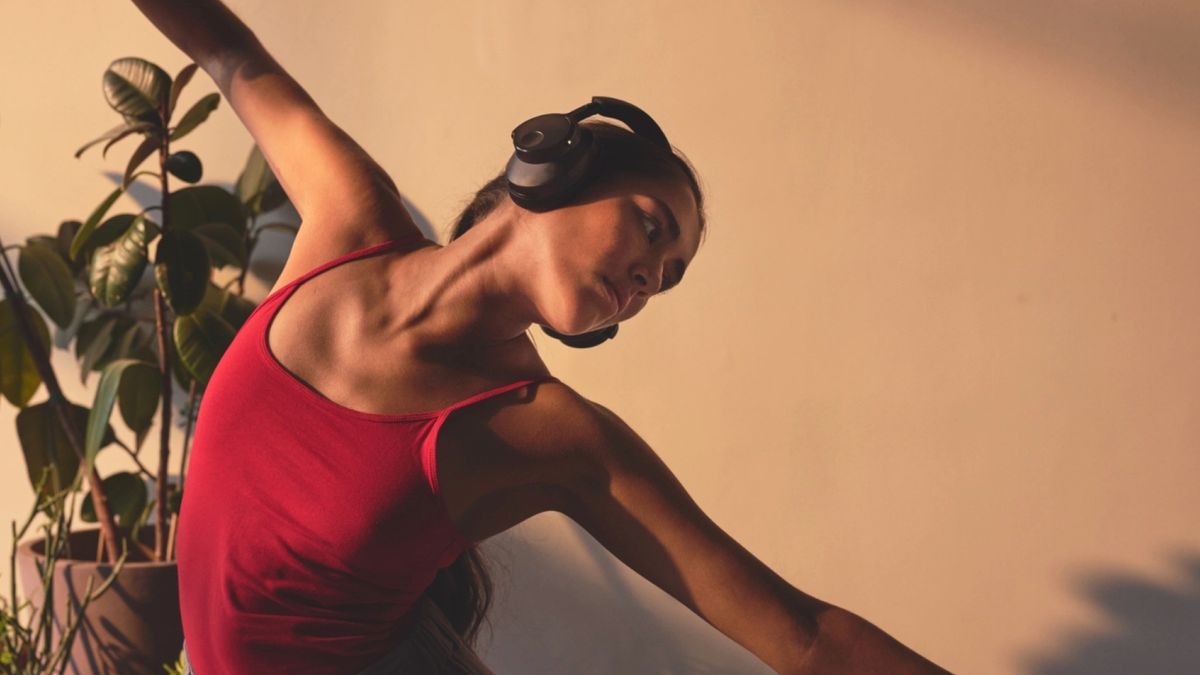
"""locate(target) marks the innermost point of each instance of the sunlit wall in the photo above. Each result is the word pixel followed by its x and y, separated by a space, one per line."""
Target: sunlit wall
pixel 936 362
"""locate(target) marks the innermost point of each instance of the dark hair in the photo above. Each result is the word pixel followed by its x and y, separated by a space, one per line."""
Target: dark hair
pixel 463 589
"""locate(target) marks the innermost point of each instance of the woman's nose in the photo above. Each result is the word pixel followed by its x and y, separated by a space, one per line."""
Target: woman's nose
pixel 647 282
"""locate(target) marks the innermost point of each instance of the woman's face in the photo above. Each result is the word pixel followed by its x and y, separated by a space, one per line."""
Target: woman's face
pixel 625 241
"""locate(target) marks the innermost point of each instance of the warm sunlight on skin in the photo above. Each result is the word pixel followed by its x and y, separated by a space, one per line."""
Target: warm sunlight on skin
pixel 373 319
pixel 624 242
pixel 578 268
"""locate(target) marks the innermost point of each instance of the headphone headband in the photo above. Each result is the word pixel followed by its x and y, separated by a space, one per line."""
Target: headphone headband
pixel 634 117
pixel 551 160
pixel 552 153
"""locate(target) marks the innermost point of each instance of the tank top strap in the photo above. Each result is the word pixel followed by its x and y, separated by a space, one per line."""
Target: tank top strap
pixel 429 448
pixel 352 255
pixel 492 392
pixel 286 289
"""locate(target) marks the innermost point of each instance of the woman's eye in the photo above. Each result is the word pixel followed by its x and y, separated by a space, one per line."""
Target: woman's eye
pixel 651 227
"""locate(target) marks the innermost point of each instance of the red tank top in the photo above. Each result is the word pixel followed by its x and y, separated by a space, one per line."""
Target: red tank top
pixel 308 530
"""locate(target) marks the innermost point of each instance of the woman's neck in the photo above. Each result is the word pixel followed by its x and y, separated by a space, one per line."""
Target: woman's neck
pixel 475 291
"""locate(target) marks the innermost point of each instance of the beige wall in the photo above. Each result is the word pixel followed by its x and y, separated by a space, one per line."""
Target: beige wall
pixel 937 361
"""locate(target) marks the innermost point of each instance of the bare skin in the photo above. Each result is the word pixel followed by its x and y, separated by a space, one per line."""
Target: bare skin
pixel 422 327
pixel 430 325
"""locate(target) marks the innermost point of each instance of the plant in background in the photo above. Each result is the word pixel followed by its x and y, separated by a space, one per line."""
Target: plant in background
pixel 137 294
pixel 27 641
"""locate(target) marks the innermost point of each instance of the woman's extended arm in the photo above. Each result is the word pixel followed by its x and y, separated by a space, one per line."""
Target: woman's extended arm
pixel 329 178
pixel 635 507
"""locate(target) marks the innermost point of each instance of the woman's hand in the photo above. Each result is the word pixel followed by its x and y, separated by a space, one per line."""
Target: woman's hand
pixel 204 29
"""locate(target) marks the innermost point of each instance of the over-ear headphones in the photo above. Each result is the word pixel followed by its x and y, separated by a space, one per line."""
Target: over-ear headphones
pixel 552 160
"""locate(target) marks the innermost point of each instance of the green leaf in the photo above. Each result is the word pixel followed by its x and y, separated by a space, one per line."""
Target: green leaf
pixel 225 245
pixel 44 443
pixel 45 240
pixel 148 147
pixel 146 346
pixel 183 377
pixel 127 339
pixel 106 394
pixel 67 230
pixel 143 127
pixel 137 89
pixel 199 112
pixel 89 225
pixel 127 343
pixel 138 395
pixel 49 281
pixel 256 186
pixel 105 233
pixel 177 86
pixel 181 269
pixel 92 341
pixel 185 166
pixel 114 132
pixel 152 229
pixel 19 377
pixel 253 178
pixel 117 267
pixel 127 495
pixel 202 338
pixel 111 229
pixel 192 207
pixel 235 309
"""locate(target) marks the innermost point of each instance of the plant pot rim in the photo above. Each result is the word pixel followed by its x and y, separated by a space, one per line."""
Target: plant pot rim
pixel 27 547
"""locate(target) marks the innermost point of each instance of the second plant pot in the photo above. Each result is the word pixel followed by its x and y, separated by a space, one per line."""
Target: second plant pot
pixel 132 629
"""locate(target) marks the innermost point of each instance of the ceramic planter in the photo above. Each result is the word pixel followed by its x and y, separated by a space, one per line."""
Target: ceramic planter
pixel 133 629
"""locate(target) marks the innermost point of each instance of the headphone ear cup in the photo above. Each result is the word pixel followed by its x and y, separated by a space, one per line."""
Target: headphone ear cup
pixel 532 186
pixel 542 186
pixel 584 340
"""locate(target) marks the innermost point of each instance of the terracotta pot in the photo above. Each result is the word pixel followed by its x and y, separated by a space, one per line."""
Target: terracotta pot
pixel 134 628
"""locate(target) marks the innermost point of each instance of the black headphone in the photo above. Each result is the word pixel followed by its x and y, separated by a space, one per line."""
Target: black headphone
pixel 552 160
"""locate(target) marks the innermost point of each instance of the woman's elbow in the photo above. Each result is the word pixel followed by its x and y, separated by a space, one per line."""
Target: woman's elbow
pixel 845 642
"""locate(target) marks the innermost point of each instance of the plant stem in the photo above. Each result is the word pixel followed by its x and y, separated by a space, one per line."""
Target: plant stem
pixel 187 437
pixel 133 455
pixel 165 343
pixel 108 527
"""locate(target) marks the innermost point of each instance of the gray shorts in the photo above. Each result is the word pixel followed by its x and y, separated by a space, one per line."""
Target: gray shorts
pixel 432 646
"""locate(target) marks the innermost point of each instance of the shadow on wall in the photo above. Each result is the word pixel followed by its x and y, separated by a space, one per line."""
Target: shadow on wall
pixel 1150 48
pixel 273 248
pixel 1153 628
pixel 576 613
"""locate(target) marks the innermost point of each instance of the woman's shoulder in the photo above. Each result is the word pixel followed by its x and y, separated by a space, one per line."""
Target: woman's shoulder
pixel 318 244
pixel 518 455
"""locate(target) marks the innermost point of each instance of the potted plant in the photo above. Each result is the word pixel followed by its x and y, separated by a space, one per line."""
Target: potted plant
pixel 148 299
pixel 28 645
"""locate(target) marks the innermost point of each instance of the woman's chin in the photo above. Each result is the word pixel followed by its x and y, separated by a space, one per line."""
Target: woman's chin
pixel 582 326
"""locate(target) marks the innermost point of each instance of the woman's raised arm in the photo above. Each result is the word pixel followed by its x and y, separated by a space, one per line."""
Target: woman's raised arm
pixel 329 178
pixel 634 506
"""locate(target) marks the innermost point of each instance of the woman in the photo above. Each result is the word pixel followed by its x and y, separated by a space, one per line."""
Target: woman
pixel 334 502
